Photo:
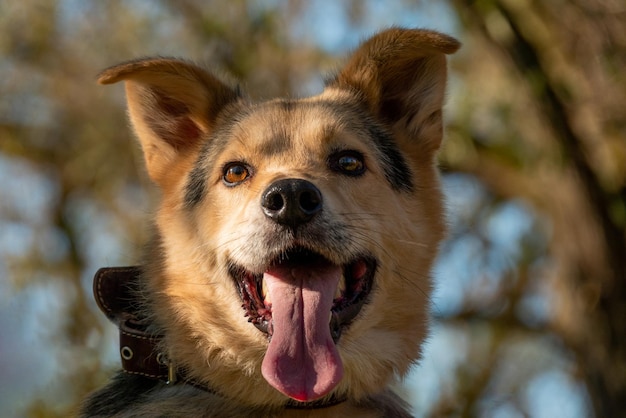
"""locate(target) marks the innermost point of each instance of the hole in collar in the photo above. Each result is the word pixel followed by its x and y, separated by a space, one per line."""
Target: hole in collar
pixel 126 352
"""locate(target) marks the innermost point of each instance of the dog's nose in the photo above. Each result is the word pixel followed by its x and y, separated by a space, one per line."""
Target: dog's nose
pixel 291 202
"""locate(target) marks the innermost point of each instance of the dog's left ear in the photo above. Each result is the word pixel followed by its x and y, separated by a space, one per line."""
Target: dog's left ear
pixel 173 107
pixel 400 74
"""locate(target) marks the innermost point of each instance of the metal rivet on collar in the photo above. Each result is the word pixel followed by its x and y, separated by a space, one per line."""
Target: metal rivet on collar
pixel 162 359
pixel 126 352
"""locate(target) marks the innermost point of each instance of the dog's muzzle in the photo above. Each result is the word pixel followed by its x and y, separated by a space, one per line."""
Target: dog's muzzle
pixel 304 293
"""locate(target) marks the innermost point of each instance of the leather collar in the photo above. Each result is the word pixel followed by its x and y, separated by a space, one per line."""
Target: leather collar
pixel 115 290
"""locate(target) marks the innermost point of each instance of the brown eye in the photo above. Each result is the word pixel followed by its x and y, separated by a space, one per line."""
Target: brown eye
pixel 348 162
pixel 235 173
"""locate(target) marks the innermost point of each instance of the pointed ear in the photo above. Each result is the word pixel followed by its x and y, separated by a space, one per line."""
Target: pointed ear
pixel 173 106
pixel 400 74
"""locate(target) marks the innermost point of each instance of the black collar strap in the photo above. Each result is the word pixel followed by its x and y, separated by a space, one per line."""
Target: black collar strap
pixel 115 291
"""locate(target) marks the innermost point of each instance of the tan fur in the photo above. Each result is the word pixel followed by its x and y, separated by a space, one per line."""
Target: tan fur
pixel 398 78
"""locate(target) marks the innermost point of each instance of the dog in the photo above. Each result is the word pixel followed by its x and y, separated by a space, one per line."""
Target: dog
pixel 288 274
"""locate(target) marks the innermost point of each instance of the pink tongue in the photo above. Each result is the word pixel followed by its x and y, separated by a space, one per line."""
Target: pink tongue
pixel 301 360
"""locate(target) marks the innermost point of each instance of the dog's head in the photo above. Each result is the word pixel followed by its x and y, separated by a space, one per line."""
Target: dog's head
pixel 295 237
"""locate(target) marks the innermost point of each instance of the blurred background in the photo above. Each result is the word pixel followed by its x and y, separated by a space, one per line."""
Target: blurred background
pixel 530 307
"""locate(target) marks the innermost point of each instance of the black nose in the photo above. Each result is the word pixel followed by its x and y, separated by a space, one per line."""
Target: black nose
pixel 291 202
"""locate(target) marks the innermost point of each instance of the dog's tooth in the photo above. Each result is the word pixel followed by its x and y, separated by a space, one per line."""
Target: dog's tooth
pixel 265 294
pixel 341 287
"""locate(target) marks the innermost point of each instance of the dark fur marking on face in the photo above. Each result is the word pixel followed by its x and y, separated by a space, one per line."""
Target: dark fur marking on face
pixel 278 144
pixel 279 140
pixel 196 185
pixel 195 190
pixel 397 171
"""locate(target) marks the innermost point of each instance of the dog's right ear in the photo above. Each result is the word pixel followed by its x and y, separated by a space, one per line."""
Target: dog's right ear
pixel 173 105
pixel 400 75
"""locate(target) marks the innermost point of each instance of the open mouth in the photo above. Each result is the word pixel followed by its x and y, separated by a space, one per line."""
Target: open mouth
pixel 302 302
pixel 350 295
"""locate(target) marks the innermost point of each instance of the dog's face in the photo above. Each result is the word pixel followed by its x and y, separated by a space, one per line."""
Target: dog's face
pixel 295 237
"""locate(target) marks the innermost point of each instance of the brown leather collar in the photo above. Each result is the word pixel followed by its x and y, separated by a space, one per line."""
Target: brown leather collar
pixel 115 290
